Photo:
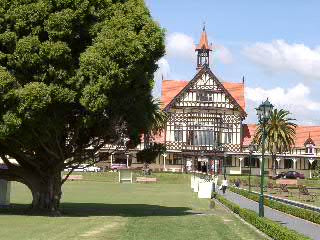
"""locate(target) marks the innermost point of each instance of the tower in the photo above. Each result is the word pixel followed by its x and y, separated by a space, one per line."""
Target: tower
pixel 203 50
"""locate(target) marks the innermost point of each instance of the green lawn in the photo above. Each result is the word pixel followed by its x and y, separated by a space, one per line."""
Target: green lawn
pixel 105 210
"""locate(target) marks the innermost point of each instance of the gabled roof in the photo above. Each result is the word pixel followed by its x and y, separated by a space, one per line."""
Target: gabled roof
pixel 302 134
pixel 172 88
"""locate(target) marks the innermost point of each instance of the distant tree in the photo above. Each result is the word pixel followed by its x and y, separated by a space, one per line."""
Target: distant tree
pixel 280 134
pixel 158 121
pixel 74 75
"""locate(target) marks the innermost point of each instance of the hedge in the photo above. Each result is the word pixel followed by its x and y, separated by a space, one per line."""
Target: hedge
pixel 272 229
pixel 306 214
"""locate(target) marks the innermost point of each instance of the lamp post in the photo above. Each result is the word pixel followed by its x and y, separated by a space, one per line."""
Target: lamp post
pixel 263 112
pixel 251 150
pixel 224 165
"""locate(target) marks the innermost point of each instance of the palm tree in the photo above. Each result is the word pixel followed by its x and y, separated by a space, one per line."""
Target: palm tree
pixel 280 134
pixel 158 119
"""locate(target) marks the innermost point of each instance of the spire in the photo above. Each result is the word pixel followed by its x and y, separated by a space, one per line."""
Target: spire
pixel 203 44
pixel 203 49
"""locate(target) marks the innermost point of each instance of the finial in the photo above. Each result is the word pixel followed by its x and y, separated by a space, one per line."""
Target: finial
pixel 162 77
pixel 204 26
pixel 242 79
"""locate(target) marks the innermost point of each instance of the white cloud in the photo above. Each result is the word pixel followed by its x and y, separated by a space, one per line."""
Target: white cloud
pixel 179 45
pixel 223 54
pixel 297 100
pixel 281 56
pixel 162 72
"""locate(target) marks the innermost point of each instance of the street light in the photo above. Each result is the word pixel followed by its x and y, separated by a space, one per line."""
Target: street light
pixel 263 112
pixel 252 148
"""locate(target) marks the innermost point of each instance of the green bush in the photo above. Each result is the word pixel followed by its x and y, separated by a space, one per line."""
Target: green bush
pixel 270 228
pixel 306 214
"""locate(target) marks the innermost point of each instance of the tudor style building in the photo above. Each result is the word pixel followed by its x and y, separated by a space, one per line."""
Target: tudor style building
pixel 205 114
pixel 205 126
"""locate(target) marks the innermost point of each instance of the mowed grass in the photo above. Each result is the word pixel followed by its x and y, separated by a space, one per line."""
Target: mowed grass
pixel 105 210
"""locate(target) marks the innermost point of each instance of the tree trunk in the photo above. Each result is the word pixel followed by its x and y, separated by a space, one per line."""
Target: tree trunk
pixel 274 169
pixel 46 194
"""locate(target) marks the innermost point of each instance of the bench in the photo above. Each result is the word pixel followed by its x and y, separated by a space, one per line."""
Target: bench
pixel 74 177
pixel 146 179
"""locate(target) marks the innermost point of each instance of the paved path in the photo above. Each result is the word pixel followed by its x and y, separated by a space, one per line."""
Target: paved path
pixel 304 227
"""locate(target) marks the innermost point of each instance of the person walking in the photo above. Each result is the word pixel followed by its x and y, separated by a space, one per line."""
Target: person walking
pixel 224 185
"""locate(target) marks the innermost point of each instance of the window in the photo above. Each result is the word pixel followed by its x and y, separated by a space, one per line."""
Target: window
pixel 227 137
pixel 203 138
pixel 205 97
pixel 178 133
pixel 309 150
pixel 228 161
pixel 177 160
pixel 255 162
pixel 288 163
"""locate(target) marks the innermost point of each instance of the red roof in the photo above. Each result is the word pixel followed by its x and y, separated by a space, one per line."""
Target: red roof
pixel 159 138
pixel 203 44
pixel 170 88
pixel 302 134
pixel 248 133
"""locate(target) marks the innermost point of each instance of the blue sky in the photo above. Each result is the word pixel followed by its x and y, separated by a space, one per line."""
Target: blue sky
pixel 274 44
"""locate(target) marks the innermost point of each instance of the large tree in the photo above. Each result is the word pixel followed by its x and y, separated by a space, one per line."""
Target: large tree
pixel 74 75
pixel 280 134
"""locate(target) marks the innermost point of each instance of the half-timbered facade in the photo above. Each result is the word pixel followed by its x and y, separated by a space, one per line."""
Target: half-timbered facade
pixel 205 114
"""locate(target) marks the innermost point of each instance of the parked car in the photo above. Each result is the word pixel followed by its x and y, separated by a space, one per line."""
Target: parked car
pixel 117 166
pixel 279 175
pixel 289 175
pixel 80 168
pixel 294 175
pixel 92 169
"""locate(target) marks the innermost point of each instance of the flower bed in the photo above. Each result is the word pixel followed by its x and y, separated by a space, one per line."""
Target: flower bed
pixel 295 211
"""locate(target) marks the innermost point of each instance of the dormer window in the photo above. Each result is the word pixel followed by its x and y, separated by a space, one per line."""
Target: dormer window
pixel 309 145
pixel 310 150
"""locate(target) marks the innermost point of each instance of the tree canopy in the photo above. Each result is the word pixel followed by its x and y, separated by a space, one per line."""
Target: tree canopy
pixel 73 74
pixel 280 133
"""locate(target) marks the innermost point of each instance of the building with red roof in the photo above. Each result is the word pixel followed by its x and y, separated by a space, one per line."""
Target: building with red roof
pixel 206 128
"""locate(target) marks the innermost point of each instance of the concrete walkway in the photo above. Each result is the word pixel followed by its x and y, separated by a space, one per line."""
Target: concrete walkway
pixel 306 228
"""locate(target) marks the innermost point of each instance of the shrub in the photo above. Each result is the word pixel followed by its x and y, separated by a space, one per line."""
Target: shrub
pixel 306 214
pixel 270 228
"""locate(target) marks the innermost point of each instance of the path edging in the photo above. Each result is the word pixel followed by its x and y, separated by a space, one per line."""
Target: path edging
pixel 242 220
pixel 289 215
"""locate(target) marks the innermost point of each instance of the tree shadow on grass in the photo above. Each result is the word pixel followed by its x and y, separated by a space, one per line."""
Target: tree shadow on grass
pixel 102 209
